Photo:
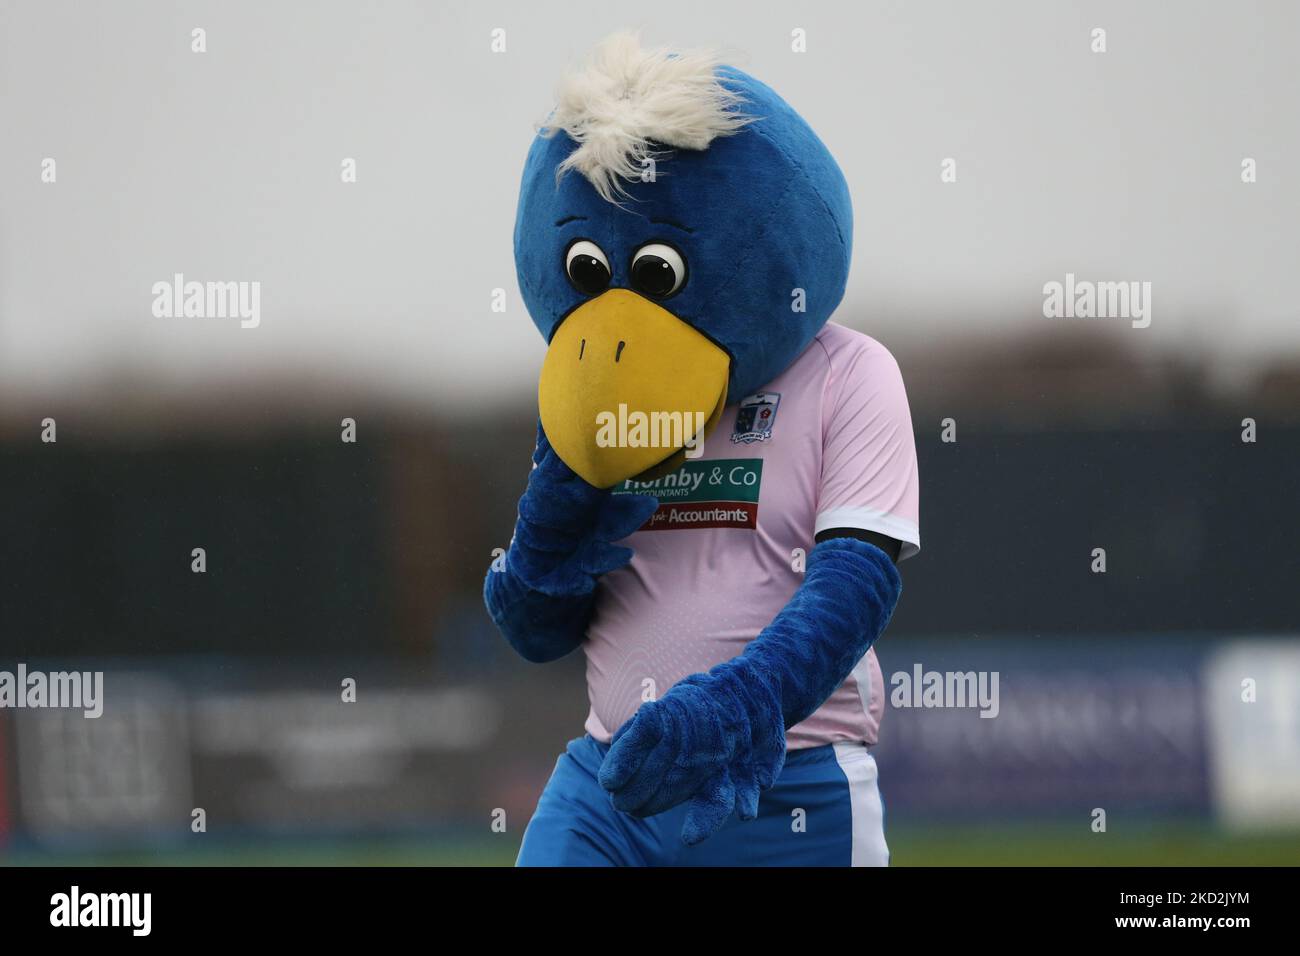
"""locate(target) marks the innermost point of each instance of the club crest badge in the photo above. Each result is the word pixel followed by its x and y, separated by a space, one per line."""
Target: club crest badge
pixel 754 418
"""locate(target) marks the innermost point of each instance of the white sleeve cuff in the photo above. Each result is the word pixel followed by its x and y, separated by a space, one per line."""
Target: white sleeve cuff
pixel 869 519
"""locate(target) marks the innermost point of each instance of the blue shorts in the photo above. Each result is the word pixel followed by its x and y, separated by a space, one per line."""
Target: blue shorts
pixel 824 810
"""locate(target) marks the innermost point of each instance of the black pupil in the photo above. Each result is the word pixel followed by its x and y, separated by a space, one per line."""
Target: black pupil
pixel 653 275
pixel 588 273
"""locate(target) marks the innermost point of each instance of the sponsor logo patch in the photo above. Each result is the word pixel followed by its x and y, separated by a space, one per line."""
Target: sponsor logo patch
pixel 713 493
pixel 755 417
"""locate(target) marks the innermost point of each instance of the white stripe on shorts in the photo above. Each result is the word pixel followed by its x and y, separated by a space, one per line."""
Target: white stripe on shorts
pixel 869 847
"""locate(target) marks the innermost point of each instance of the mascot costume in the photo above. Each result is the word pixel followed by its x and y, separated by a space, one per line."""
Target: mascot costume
pixel 723 481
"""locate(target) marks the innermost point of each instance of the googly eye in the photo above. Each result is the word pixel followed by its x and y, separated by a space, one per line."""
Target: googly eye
pixel 587 267
pixel 658 270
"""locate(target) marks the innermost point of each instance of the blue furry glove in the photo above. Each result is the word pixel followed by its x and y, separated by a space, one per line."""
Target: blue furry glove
pixel 541 598
pixel 718 739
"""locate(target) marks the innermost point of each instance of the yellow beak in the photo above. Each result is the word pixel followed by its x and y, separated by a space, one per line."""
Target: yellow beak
pixel 628 388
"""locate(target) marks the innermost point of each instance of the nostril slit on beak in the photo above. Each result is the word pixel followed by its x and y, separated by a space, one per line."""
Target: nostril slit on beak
pixel 582 348
pixel 619 350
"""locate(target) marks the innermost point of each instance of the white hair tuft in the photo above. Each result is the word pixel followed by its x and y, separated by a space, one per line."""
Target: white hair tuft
pixel 627 100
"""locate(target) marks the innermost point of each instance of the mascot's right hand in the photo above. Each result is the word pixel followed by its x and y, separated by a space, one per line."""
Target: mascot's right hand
pixel 564 536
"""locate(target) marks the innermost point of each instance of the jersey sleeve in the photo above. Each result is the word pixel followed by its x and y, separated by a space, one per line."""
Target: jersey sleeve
pixel 869 475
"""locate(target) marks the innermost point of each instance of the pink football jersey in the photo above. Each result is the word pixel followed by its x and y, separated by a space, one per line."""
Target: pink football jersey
pixel 827 444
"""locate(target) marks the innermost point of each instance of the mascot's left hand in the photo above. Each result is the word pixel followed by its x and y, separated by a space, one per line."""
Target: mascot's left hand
pixel 715 739
pixel 718 739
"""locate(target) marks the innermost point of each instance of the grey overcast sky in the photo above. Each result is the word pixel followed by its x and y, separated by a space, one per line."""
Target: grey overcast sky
pixel 226 166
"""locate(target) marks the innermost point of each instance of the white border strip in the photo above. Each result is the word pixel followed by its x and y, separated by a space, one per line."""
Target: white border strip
pixel 859 768
pixel 869 519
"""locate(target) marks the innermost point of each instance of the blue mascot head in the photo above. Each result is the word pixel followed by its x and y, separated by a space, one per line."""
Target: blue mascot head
pixel 682 234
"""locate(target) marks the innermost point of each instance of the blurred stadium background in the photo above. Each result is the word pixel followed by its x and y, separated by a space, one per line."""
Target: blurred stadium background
pixel 329 560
